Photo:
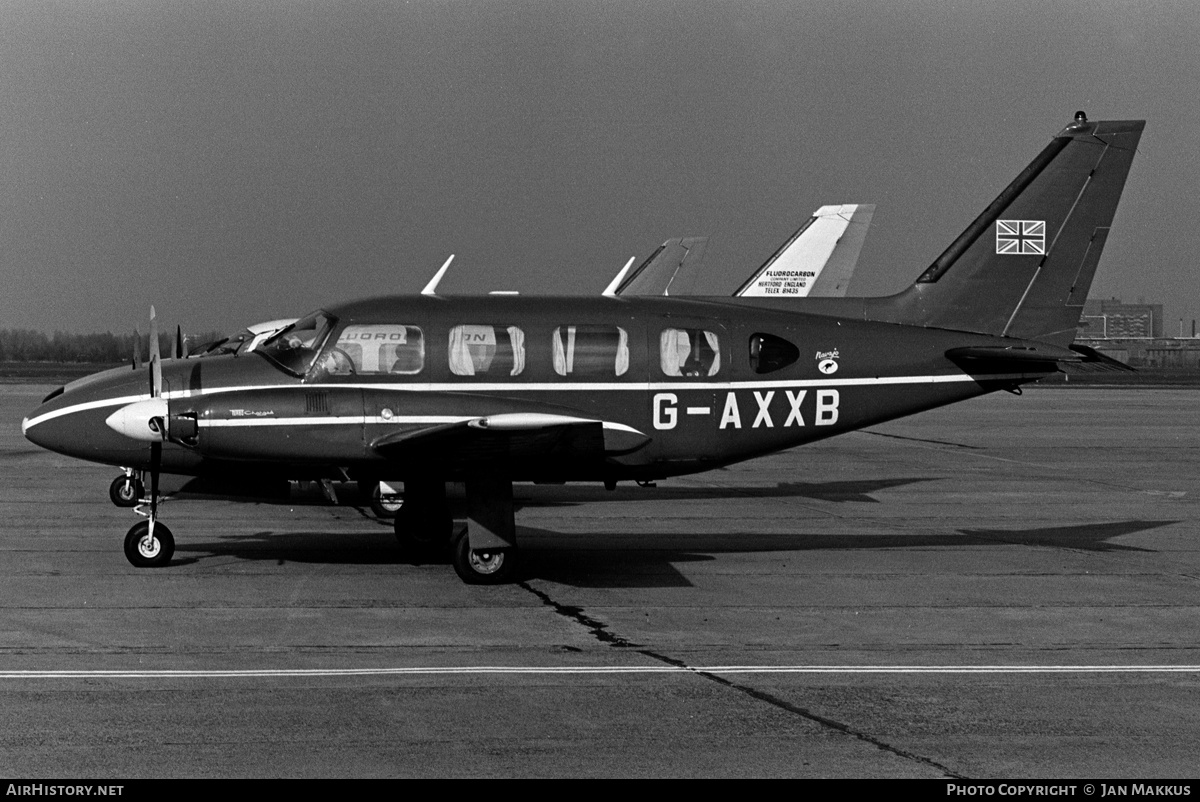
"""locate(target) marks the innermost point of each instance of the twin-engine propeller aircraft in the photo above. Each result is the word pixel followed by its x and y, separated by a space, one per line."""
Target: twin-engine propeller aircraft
pixel 490 390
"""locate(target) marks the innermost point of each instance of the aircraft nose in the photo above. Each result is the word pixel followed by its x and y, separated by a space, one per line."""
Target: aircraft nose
pixel 43 428
pixel 73 424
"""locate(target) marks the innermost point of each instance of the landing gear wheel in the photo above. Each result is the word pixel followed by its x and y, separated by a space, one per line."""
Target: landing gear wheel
pixel 388 506
pixel 125 491
pixel 423 530
pixel 482 566
pixel 143 551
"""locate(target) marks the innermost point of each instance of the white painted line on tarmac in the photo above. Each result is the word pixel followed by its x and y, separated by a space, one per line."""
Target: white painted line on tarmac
pixel 435 670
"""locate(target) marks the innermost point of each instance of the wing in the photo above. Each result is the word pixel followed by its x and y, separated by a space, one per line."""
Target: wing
pixel 511 437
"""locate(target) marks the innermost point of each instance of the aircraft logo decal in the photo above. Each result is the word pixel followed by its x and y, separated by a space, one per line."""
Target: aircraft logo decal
pixel 251 413
pixel 828 362
pixel 1021 237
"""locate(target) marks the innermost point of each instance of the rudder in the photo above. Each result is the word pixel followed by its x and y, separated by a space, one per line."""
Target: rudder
pixel 1023 268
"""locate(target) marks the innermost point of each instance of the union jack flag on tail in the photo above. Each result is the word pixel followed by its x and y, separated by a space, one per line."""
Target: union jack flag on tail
pixel 1020 237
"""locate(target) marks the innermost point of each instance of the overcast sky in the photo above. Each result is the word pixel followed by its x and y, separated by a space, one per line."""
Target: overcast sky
pixel 232 162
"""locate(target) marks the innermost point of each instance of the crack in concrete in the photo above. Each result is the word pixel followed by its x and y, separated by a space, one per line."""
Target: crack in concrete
pixel 601 632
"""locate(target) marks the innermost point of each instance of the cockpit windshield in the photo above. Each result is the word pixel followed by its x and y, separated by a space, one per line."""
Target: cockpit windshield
pixel 295 348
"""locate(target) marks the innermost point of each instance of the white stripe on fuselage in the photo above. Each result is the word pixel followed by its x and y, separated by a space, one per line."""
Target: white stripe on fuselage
pixel 394 419
pixel 513 387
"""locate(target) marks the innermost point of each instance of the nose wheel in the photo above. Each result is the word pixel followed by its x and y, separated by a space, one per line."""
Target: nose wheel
pixel 149 549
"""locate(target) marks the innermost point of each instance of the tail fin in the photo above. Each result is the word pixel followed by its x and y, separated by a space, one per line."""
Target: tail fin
pixel 671 270
pixel 817 260
pixel 1024 267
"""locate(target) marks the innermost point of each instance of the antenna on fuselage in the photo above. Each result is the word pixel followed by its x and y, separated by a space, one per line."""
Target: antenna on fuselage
pixel 431 287
pixel 611 290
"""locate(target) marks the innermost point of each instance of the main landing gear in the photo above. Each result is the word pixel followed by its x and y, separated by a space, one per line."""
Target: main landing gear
pixel 482 566
pixel 386 501
pixel 423 522
pixel 484 552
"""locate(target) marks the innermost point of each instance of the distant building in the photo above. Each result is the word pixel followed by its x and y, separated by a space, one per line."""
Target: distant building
pixel 1133 334
pixel 1115 320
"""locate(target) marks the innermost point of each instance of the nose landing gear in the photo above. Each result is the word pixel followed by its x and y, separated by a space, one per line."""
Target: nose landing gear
pixel 149 544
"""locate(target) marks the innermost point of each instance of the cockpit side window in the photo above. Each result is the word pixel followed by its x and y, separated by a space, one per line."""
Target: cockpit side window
pixel 376 349
pixel 689 352
pixel 295 348
pixel 591 350
pixel 769 353
pixel 481 350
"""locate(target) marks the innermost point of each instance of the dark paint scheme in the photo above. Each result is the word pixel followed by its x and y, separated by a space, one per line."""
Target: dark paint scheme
pixel 871 357
pixel 694 384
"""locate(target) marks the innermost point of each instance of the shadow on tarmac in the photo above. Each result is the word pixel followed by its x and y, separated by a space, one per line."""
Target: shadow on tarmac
pixel 622 560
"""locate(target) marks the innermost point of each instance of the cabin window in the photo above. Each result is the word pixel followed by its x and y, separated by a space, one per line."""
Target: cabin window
pixel 589 350
pixel 387 348
pixel 689 352
pixel 477 350
pixel 769 353
pixel 295 347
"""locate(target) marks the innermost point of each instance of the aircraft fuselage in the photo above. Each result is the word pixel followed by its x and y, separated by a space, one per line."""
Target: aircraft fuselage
pixel 620 362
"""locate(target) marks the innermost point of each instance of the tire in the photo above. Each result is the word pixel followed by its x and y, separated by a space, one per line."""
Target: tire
pixel 149 555
pixel 482 566
pixel 125 491
pixel 385 507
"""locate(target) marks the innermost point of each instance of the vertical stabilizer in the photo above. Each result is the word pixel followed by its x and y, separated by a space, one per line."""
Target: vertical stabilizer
pixel 817 260
pixel 671 270
pixel 1023 268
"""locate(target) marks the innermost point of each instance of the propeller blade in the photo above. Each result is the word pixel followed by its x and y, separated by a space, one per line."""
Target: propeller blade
pixel 137 349
pixel 155 359
pixel 179 352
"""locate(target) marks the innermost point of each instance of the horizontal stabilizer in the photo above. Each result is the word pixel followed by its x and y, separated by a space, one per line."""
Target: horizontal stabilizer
pixel 1030 355
pixel 1096 361
pixel 1014 353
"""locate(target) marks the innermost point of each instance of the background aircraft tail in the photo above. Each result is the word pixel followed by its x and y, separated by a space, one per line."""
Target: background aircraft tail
pixel 671 270
pixel 818 259
pixel 1023 268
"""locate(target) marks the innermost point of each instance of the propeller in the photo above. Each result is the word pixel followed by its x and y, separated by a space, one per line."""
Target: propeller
pixel 155 359
pixel 179 343
pixel 148 420
pixel 158 422
pixel 145 420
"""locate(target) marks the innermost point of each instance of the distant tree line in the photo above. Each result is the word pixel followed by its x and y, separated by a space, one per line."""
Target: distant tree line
pixel 26 345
